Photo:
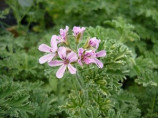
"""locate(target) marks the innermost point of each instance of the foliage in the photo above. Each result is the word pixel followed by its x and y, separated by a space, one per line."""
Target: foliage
pixel 30 11
pixel 23 99
pixel 126 86
pixel 4 13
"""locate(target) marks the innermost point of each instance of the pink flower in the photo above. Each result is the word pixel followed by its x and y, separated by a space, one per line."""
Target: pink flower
pixel 85 56
pixel 64 34
pixel 78 32
pixel 90 56
pixel 101 53
pixel 50 50
pixel 94 42
pixel 66 61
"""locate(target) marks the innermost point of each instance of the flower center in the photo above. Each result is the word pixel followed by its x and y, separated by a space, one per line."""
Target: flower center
pixel 66 61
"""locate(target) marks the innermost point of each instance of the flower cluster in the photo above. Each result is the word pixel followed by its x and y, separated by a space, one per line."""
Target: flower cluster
pixel 60 53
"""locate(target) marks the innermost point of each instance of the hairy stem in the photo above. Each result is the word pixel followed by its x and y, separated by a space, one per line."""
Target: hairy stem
pixel 79 81
pixel 82 86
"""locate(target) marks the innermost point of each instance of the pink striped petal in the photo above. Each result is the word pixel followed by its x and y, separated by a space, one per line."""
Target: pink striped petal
pixel 54 43
pixel 89 53
pixel 62 52
pixel 80 52
pixel 61 71
pixel 99 63
pixel 94 42
pixel 72 69
pixel 101 53
pixel 77 30
pixel 46 58
pixel 72 56
pixel 64 32
pixel 59 40
pixel 55 63
pixel 80 62
pixel 44 48
pixel 88 60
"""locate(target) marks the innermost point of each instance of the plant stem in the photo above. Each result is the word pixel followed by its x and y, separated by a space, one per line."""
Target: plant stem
pixel 58 91
pixel 81 84
pixel 153 104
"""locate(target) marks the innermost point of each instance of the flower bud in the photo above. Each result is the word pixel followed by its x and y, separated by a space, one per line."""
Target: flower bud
pixel 78 33
pixel 64 35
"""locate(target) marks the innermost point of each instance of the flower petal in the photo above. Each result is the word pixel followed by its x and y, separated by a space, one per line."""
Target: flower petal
pixel 72 56
pixel 46 58
pixel 101 53
pixel 67 28
pixel 61 71
pixel 44 48
pixel 72 69
pixel 80 52
pixel 59 40
pixel 88 60
pixel 62 52
pixel 78 30
pixel 55 63
pixel 99 63
pixel 83 29
pixel 94 42
pixel 54 43
pixel 63 32
pixel 89 53
pixel 80 62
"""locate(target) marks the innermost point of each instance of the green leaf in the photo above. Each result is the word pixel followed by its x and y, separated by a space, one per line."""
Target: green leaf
pixel 25 3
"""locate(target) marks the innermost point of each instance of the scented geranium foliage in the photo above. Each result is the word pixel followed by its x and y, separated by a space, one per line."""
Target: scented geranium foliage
pixel 61 54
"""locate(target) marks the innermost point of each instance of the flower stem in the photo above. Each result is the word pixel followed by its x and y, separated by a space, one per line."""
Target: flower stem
pixel 78 81
pixel 82 87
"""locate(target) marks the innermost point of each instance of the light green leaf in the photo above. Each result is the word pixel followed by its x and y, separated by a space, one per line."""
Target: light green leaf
pixel 25 3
